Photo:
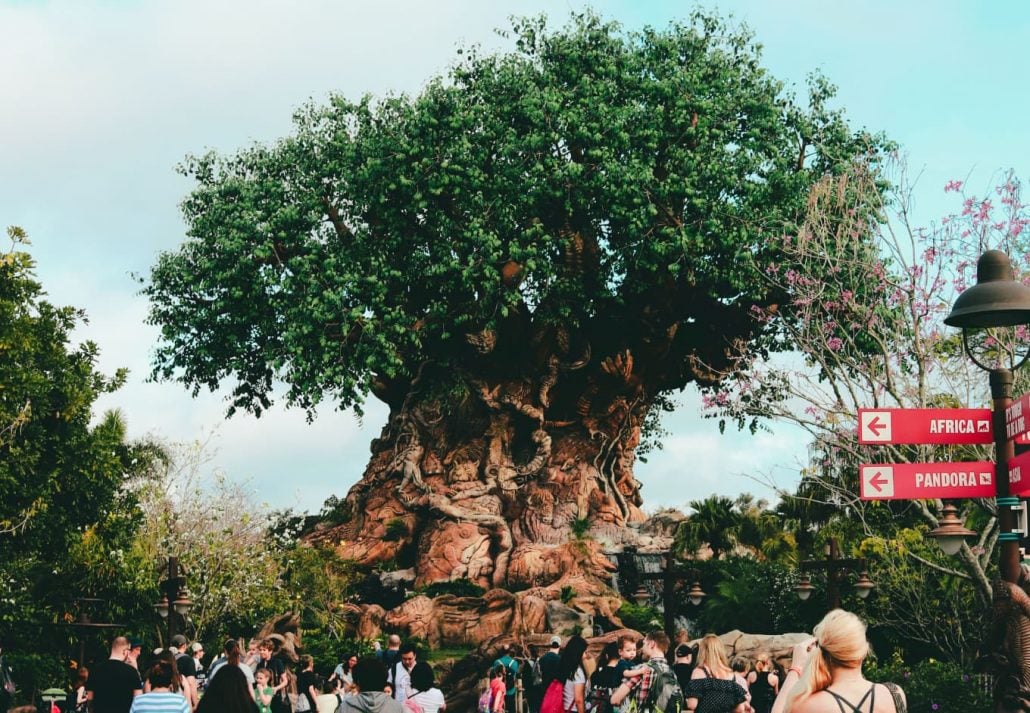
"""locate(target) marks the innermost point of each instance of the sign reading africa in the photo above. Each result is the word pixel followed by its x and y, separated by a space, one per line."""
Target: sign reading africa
pixel 924 425
pixel 924 481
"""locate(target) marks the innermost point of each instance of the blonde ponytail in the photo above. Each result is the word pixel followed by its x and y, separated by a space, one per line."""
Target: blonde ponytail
pixel 841 643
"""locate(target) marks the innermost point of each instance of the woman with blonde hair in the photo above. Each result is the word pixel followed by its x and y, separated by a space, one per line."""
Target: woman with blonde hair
pixel 765 684
pixel 825 674
pixel 713 688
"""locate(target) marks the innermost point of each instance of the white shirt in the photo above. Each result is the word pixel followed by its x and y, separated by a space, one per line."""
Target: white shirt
pixel 402 686
pixel 568 697
pixel 431 700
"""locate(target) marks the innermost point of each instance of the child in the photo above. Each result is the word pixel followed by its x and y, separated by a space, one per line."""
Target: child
pixel 740 667
pixel 263 692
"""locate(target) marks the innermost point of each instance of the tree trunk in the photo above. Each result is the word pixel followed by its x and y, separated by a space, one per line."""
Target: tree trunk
pixel 481 485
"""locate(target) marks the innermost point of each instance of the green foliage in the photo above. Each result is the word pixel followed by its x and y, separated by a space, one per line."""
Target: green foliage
pixel 639 618
pixel 457 587
pixel 933 686
pixel 611 182
pixel 567 593
pixel 759 590
pixel 396 529
pixel 580 526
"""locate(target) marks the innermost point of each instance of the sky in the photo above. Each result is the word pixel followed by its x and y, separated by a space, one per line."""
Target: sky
pixel 99 100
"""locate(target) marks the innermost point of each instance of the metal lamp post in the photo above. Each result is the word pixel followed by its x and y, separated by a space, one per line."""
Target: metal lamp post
pixel 175 601
pixel 997 300
pixel 835 566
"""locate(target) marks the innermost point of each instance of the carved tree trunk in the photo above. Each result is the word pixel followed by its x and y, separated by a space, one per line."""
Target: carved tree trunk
pixel 486 483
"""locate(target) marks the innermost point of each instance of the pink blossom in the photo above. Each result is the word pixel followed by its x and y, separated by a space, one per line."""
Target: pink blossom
pixel 835 344
pixel 952 186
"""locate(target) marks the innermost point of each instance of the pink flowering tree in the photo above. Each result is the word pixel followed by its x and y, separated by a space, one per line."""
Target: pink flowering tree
pixel 869 333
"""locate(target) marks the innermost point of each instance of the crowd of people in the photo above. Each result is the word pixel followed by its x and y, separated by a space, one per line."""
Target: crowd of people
pixel 630 675
pixel 633 675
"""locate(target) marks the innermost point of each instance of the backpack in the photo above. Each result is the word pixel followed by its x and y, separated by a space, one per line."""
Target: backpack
pixel 538 674
pixel 600 699
pixel 509 674
pixel 552 702
pixel 665 695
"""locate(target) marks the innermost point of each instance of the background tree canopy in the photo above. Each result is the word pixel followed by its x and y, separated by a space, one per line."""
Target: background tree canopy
pixel 591 187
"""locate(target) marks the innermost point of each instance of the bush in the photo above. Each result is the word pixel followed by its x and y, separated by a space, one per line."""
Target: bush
pixel 396 529
pixel 457 587
pixel 933 686
pixel 640 618
pixel 567 593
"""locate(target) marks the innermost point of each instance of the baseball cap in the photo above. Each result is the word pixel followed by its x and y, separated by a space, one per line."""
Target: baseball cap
pixel 179 640
pixel 555 640
pixel 135 644
pixel 196 646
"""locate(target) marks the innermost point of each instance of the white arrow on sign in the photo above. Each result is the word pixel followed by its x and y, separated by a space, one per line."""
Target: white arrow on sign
pixel 876 426
pixel 877 481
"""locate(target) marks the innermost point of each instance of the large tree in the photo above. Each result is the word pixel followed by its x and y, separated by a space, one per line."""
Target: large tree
pixel 521 261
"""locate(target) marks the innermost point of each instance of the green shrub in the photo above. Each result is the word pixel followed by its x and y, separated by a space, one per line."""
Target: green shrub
pixel 640 618
pixel 567 593
pixel 457 587
pixel 580 526
pixel 396 529
pixel 933 686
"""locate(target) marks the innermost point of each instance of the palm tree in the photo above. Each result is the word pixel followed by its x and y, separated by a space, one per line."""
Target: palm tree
pixel 714 521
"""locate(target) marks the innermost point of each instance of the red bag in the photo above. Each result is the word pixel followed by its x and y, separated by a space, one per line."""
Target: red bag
pixel 552 702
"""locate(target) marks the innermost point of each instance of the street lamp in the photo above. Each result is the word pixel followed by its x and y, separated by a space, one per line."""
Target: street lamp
pixel 835 566
pixel 695 594
pixel 998 300
pixel 175 601
pixel 950 532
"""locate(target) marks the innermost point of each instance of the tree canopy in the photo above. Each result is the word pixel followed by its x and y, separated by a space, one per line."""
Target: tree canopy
pixel 592 188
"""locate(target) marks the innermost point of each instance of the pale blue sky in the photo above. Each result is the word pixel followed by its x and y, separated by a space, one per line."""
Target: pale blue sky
pixel 101 99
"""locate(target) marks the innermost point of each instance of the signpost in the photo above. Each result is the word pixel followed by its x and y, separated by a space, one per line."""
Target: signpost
pixel 925 481
pixel 925 425
pixel 1019 474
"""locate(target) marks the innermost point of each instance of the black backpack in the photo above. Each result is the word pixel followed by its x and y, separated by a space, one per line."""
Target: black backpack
pixel 665 695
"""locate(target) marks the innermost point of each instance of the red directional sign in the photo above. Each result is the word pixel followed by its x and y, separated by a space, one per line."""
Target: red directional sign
pixel 1017 418
pixel 1019 474
pixel 923 481
pixel 924 425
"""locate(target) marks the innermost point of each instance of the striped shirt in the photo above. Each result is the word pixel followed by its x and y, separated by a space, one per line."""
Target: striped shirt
pixel 161 702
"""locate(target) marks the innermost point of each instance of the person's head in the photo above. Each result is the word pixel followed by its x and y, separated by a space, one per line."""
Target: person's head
pixel 683 653
pixel 712 653
pixel 739 665
pixel 840 643
pixel 370 675
pixel 422 676
pixel 572 657
pixel 266 647
pixel 197 649
pixel 179 642
pixel 232 652
pixel 227 692
pixel 656 643
pixel 262 676
pixel 306 662
pixel 555 643
pixel 393 642
pixel 408 657
pixel 81 676
pixel 627 647
pixel 135 649
pixel 119 647
pixel 330 685
pixel 610 654
pixel 762 662
pixel 497 671
pixel 388 689
pixel 160 675
pixel 349 661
